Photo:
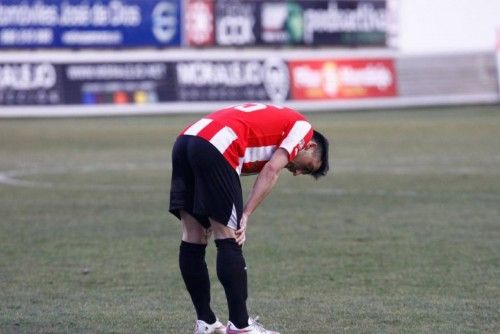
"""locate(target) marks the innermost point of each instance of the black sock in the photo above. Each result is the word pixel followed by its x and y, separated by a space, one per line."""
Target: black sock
pixel 231 271
pixel 195 274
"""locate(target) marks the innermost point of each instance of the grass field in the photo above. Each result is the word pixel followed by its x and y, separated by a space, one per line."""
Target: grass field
pixel 404 237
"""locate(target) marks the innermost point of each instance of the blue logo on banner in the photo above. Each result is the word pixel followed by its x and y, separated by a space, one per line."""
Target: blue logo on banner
pixel 165 20
pixel 89 23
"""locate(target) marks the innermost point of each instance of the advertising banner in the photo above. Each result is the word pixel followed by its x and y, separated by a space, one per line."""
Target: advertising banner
pixel 236 22
pixel 342 79
pixel 196 80
pixel 281 23
pixel 199 22
pixel 44 83
pixel 89 23
pixel 119 83
pixel 232 80
pixel 498 60
pixel 345 23
pixel 320 22
pixel 37 83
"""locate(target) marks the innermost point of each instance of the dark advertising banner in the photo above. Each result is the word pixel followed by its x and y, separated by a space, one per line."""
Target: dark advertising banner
pixel 119 83
pixel 342 79
pixel 37 83
pixel 236 22
pixel 234 80
pixel 281 23
pixel 320 22
pixel 344 23
pixel 201 80
pixel 44 83
pixel 498 57
pixel 89 23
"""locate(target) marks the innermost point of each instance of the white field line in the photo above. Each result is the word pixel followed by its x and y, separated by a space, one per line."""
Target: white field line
pixel 15 177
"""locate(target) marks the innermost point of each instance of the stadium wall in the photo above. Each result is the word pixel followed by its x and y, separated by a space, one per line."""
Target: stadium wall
pixel 91 83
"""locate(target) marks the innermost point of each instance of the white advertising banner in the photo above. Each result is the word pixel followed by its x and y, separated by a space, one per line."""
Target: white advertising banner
pixel 498 61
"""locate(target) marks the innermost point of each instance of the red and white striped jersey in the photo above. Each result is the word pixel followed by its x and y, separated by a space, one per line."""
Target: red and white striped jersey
pixel 247 135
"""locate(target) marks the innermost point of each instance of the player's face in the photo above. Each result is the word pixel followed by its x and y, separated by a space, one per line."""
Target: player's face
pixel 305 163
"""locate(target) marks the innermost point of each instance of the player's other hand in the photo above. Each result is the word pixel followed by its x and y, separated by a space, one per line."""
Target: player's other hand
pixel 241 232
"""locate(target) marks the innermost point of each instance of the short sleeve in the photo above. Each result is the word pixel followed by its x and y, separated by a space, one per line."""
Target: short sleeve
pixel 297 137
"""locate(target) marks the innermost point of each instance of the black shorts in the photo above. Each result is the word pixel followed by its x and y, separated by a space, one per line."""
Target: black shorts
pixel 204 184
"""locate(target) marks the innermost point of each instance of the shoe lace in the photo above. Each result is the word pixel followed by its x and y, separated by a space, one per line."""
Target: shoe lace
pixel 257 325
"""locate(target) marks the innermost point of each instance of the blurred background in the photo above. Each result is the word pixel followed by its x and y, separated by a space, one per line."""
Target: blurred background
pixel 63 58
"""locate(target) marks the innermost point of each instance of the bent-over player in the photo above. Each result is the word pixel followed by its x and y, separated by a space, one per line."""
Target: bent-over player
pixel 208 157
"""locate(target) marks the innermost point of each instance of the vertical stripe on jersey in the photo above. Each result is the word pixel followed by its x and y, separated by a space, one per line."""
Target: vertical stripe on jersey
pixel 296 134
pixel 222 139
pixel 240 166
pixel 233 220
pixel 194 129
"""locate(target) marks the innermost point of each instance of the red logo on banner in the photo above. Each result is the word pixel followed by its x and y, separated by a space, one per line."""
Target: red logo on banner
pixel 120 97
pixel 200 22
pixel 342 79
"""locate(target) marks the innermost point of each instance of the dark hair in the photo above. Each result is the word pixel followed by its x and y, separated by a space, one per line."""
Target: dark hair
pixel 322 150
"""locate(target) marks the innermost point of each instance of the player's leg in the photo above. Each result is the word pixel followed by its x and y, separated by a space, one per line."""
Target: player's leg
pixel 218 196
pixel 232 273
pixel 192 230
pixel 195 272
pixel 194 235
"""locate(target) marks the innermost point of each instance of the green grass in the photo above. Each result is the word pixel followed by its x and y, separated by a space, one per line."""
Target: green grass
pixel 404 237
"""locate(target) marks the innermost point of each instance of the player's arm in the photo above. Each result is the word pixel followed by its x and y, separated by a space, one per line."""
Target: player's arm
pixel 262 187
pixel 266 180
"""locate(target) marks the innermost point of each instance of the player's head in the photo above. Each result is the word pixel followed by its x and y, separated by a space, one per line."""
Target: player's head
pixel 321 151
pixel 313 159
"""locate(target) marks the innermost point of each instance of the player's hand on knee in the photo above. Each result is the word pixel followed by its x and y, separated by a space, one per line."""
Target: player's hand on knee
pixel 241 232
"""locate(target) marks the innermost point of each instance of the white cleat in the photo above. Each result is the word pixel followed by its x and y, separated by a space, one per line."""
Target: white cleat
pixel 254 327
pixel 202 327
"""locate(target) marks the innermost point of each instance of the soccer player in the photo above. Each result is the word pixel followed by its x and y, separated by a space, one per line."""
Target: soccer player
pixel 208 157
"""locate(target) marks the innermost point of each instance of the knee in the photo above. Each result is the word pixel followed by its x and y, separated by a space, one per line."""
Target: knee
pixel 195 236
pixel 192 230
pixel 221 231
